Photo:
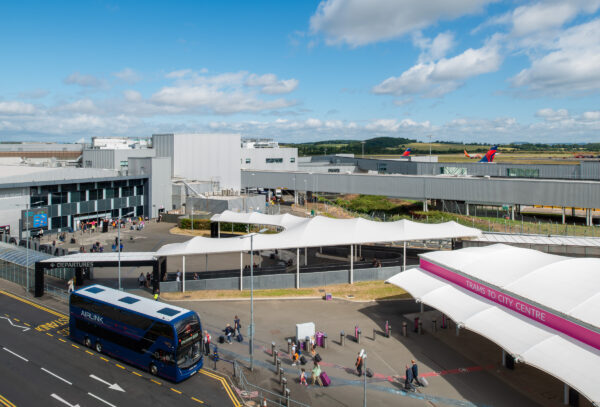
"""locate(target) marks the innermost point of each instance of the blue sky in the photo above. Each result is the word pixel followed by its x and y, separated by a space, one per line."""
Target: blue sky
pixel 466 71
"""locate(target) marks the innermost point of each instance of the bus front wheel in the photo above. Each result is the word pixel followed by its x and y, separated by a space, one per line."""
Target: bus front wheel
pixel 98 347
pixel 153 369
pixel 87 342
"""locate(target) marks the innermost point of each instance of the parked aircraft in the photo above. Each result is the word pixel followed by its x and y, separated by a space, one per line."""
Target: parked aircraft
pixel 487 158
pixel 406 153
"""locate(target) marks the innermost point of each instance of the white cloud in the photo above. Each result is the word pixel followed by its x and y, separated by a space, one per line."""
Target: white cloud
pixel 359 22
pixel 132 95
pixel 432 50
pixel 571 66
pixel 34 94
pixel 548 15
pixel 16 108
pixel 270 84
pixel 83 80
pixel 128 75
pixel 178 74
pixel 79 106
pixel 552 115
pixel 435 79
pixel 592 115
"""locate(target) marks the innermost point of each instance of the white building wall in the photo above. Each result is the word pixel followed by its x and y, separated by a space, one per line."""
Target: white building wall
pixel 208 157
pixel 258 157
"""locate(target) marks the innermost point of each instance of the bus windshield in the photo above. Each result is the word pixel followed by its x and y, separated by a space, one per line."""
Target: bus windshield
pixel 188 334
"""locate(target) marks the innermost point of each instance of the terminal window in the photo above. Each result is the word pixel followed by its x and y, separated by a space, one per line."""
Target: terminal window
pixel 333 170
pixel 293 159
pixel 248 161
pixel 274 160
pixel 523 172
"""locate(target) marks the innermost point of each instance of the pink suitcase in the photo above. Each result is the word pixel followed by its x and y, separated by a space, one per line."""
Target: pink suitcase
pixel 325 379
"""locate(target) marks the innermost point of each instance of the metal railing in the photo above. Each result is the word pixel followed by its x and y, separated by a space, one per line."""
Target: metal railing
pixel 56 292
pixel 257 394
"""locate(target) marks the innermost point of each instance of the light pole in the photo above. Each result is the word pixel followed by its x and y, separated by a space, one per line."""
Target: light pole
pixel 365 380
pixel 251 342
pixel 119 246
pixel 27 241
pixel 192 217
pixel 363 149
pixel 430 148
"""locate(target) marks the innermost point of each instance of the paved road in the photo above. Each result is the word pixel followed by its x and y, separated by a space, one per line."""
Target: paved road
pixel 39 365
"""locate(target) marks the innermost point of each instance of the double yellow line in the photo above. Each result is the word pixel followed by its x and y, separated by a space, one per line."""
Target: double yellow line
pixel 226 386
pixel 5 402
pixel 33 304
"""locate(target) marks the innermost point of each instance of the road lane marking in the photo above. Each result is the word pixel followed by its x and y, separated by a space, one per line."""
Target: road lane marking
pixel 104 359
pixel 226 386
pixel 104 401
pixel 16 354
pixel 16 319
pixel 26 324
pixel 75 346
pixel 15 325
pixel 89 353
pixel 49 334
pixel 63 400
pixel 159 383
pixel 175 390
pixel 5 402
pixel 137 374
pixel 62 340
pixel 199 401
pixel 110 386
pixel 118 365
pixel 33 304
pixel 57 376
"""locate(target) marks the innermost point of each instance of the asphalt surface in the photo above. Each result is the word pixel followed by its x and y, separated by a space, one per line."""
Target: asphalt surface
pixel 39 365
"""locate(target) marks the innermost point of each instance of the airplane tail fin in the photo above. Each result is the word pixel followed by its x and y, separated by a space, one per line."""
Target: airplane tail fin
pixel 467 154
pixel 489 156
pixel 406 153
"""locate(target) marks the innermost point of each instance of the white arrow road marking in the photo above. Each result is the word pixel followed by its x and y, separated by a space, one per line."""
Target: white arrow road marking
pixel 110 386
pixel 15 325
pixel 63 401
pixel 104 401
pixel 57 376
pixel 16 354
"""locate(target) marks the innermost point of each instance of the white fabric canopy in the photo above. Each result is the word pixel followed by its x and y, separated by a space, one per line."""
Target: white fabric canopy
pixel 539 278
pixel 255 218
pixel 318 231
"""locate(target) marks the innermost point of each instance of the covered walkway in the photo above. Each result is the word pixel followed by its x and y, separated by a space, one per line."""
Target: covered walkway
pixel 540 308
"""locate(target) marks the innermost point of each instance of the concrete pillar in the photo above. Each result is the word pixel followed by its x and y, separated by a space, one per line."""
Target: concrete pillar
pixel 512 212
pixel 241 271
pixel 306 256
pixel 503 358
pixel 298 268
pixel 563 215
pixel 425 206
pixel 183 276
pixel 566 394
pixel 467 208
pixel 573 211
pixel 219 230
pixel 588 217
pixel 351 264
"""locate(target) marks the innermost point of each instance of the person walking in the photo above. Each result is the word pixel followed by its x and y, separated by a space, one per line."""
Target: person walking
pixel 71 285
pixel 303 377
pixel 206 341
pixel 359 364
pixel 228 332
pixel 408 378
pixel 237 325
pixel 316 374
pixel 141 280
pixel 415 372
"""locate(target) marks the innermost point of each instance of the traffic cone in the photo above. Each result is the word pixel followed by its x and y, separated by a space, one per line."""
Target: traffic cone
pixel 264 402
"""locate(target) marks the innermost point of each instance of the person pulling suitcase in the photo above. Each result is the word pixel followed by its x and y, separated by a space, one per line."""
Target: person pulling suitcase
pixel 415 372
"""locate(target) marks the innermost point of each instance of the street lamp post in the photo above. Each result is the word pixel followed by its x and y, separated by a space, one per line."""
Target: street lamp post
pixel 365 380
pixel 363 149
pixel 192 217
pixel 251 342
pixel 119 246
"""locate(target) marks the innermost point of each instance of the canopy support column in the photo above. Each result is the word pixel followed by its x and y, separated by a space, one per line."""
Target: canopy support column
pixel 183 276
pixel 563 215
pixel 219 230
pixel 241 271
pixel 351 264
pixel 206 257
pixel 306 256
pixel 566 394
pixel 425 206
pixel 404 258
pixel 298 267
pixel 512 212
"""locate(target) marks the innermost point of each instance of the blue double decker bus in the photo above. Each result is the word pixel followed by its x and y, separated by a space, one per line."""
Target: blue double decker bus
pixel 154 336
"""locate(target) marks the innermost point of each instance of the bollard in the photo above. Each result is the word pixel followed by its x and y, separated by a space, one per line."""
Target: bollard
pixel 275 356
pixel 416 327
pixel 273 348
pixel 287 397
pixel 307 344
pixel 404 328
pixel 289 346
pixel 420 329
pixel 342 338
pixel 434 325
pixel 389 331
pixel 374 333
pixel 358 336
pixel 356 332
pixel 324 341
pixel 283 385
pixel 281 375
pixel 277 365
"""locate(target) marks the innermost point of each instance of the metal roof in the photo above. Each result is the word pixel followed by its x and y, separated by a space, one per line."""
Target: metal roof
pixel 18 255
pixel 539 239
pixel 145 306
pixel 100 257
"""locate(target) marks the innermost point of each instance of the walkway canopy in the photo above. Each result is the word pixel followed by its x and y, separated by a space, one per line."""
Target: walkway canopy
pixel 316 232
pixel 541 308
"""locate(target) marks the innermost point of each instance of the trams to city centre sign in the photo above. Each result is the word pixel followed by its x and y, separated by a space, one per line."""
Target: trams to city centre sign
pixel 72 264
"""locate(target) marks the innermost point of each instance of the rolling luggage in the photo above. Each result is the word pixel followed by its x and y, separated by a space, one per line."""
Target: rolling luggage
pixel 423 381
pixel 302 360
pixel 240 338
pixel 369 372
pixel 317 358
pixel 221 339
pixel 325 379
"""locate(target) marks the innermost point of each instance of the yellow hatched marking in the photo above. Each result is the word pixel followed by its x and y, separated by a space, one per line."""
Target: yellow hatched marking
pixel 16 319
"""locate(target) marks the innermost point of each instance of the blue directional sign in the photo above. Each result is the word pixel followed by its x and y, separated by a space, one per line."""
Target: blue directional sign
pixel 36 218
